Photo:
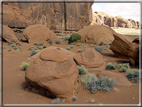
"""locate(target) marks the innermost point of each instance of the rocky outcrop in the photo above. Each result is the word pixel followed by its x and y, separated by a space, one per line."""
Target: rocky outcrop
pixel 53 73
pixel 39 33
pixel 55 16
pixel 102 18
pixel 97 33
pixel 9 35
pixel 90 58
pixel 125 48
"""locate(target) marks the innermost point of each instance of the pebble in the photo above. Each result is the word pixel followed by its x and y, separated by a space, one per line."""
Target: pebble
pixel 92 101
pixel 133 98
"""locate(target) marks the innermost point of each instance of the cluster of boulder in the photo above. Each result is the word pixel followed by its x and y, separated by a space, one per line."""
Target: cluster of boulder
pixel 102 18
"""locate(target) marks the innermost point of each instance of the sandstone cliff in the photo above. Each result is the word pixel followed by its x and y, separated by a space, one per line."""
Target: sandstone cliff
pixel 56 16
pixel 103 18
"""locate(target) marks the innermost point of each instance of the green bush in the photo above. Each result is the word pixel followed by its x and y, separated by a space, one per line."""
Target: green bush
pixel 58 42
pixel 74 37
pixel 133 75
pixel 102 43
pixel 79 44
pixel 68 48
pixel 40 44
pixel 110 66
pixel 66 38
pixel 82 70
pixel 99 49
pixel 103 84
pixel 71 46
pixel 13 45
pixel 50 42
pixel 80 50
pixel 123 69
pixel 74 98
pixel 25 66
pixel 33 52
pixel 123 65
pixel 88 78
pixel 56 101
pixel 35 43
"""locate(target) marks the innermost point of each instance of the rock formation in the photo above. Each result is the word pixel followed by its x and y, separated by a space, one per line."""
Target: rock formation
pixel 55 16
pixel 53 73
pixel 9 35
pixel 102 18
pixel 39 33
pixel 90 58
pixel 97 33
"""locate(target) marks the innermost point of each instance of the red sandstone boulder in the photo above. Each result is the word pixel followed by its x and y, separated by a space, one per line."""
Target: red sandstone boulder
pixel 53 73
pixel 9 35
pixel 90 58
pixel 39 33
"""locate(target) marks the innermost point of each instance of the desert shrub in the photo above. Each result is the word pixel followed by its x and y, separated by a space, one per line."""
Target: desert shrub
pixel 61 37
pixel 9 43
pixel 123 65
pixel 68 48
pixel 115 64
pixel 56 101
pixel 33 52
pixel 110 43
pixel 80 50
pixel 58 42
pixel 79 44
pixel 66 38
pixel 13 45
pixel 35 43
pixel 91 45
pixel 102 43
pixel 108 46
pixel 133 75
pixel 19 44
pixel 74 37
pixel 25 66
pixel 74 98
pixel 71 46
pixel 103 84
pixel 99 49
pixel 82 70
pixel 9 49
pixel 40 47
pixel 50 42
pixel 123 69
pixel 110 66
pixel 88 78
pixel 40 44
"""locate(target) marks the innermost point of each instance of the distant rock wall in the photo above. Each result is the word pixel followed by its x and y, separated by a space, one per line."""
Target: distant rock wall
pixel 56 16
pixel 102 18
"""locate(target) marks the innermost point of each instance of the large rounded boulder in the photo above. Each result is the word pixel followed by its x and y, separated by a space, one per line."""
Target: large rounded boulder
pixel 9 35
pixel 97 33
pixel 90 58
pixel 53 73
pixel 39 33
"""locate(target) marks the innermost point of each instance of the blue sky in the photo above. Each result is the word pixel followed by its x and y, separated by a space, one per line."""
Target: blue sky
pixel 126 10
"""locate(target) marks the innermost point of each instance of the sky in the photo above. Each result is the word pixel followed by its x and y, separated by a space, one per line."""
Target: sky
pixel 126 10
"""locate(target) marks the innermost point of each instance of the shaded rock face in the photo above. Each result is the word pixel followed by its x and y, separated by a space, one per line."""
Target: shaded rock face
pixel 125 48
pixel 97 33
pixel 102 18
pixel 90 58
pixel 120 79
pixel 53 76
pixel 39 33
pixel 55 16
pixel 9 35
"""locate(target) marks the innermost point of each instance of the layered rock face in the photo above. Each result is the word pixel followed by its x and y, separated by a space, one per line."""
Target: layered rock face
pixel 56 16
pixel 102 18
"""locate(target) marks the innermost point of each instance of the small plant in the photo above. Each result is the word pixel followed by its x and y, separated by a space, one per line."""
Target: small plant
pixel 35 43
pixel 19 44
pixel 40 44
pixel 91 45
pixel 33 52
pixel 74 37
pixel 79 44
pixel 123 69
pixel 92 101
pixel 133 75
pixel 25 66
pixel 82 70
pixel 108 46
pixel 68 48
pixel 13 45
pixel 102 43
pixel 80 50
pixel 74 98
pixel 57 101
pixel 50 42
pixel 99 49
pixel 9 49
pixel 40 47
pixel 71 46
pixel 123 65
pixel 61 37
pixel 9 43
pixel 110 43
pixel 88 78
pixel 15 48
pixel 103 84
pixel 66 38
pixel 110 66
pixel 58 42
